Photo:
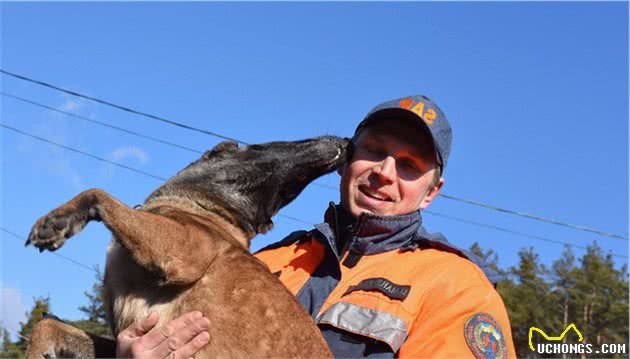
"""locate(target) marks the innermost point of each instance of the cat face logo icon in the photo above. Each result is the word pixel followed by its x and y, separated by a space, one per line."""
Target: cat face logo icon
pixel 558 338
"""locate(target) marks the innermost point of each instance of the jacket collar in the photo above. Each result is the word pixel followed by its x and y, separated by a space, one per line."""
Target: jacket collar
pixel 369 234
pixel 372 234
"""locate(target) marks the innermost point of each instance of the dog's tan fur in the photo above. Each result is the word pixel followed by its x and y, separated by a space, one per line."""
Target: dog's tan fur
pixel 181 252
pixel 246 305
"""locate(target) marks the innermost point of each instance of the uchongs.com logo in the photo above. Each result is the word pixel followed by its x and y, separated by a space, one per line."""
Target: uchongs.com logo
pixel 553 345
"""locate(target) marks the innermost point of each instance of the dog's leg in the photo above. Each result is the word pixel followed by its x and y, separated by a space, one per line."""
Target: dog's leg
pixel 151 239
pixel 55 339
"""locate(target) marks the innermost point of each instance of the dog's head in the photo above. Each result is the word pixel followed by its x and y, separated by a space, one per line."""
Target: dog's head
pixel 253 182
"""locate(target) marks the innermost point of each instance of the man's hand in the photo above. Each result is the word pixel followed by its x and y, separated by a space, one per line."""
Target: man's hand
pixel 179 338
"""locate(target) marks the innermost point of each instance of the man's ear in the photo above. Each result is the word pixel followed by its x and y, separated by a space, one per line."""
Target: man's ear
pixel 431 194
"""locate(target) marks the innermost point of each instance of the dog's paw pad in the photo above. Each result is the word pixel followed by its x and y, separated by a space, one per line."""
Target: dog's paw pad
pixel 51 231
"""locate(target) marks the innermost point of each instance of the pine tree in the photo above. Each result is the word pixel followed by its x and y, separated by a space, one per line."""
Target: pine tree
pixel 96 322
pixel 94 309
pixel 36 314
pixel 489 256
pixel 528 300
pixel 563 276
pixel 9 349
pixel 601 298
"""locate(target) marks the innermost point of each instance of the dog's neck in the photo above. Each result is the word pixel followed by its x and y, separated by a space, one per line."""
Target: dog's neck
pixel 240 236
pixel 228 222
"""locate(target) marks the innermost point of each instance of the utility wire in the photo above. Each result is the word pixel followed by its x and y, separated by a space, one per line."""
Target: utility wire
pixel 114 163
pixel 17 236
pixel 295 219
pixel 100 123
pixel 501 229
pixel 537 218
pixel 117 128
pixel 458 199
pixel 81 152
pixel 123 108
pixel 301 220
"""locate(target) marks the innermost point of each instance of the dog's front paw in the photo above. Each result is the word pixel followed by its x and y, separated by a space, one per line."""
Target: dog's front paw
pixel 51 231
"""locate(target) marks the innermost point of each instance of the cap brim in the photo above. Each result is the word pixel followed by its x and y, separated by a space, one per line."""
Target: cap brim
pixel 403 114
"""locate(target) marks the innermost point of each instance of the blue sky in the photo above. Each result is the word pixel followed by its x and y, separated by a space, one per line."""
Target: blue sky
pixel 537 94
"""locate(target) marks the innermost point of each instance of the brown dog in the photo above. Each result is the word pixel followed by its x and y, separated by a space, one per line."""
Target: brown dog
pixel 187 249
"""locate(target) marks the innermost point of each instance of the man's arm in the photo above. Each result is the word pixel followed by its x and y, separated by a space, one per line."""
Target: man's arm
pixel 179 338
pixel 471 324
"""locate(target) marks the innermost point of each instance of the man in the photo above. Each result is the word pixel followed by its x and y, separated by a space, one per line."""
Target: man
pixel 377 283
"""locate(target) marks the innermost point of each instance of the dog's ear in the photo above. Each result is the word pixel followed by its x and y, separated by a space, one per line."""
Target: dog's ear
pixel 225 146
pixel 265 227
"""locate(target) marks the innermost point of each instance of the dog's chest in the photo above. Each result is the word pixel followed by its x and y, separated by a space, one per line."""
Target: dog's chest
pixel 133 291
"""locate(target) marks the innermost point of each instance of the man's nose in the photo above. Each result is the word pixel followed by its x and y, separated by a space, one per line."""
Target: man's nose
pixel 386 170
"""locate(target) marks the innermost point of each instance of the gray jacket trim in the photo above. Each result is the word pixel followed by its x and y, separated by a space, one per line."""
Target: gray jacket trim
pixel 369 322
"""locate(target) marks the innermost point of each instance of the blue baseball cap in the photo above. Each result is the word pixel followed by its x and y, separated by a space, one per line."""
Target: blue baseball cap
pixel 424 111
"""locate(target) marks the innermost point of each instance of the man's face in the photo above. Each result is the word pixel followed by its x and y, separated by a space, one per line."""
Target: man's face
pixel 391 171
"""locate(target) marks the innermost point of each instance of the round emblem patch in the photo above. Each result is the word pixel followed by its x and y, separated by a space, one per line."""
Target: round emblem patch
pixel 484 337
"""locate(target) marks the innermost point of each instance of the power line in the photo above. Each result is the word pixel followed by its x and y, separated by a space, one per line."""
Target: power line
pixel 83 153
pixel 506 230
pixel 297 219
pixel 454 198
pixel 123 108
pixel 537 218
pixel 54 253
pixel 112 162
pixel 100 123
pixel 117 128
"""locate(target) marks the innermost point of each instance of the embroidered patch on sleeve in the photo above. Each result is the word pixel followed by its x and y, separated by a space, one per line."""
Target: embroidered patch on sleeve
pixel 484 337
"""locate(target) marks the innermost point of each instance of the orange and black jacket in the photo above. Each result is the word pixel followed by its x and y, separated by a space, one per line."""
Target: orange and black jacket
pixel 383 287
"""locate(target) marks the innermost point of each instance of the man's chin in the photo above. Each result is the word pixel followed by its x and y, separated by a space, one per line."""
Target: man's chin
pixel 374 211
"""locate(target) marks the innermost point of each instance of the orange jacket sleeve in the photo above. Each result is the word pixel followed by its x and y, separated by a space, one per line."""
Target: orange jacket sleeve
pixel 465 325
